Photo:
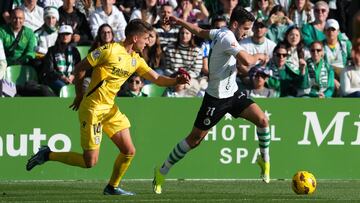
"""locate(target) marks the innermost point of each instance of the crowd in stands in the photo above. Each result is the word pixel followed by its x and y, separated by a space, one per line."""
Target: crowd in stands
pixel 313 46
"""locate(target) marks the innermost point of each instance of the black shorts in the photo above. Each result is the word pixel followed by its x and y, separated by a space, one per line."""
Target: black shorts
pixel 213 109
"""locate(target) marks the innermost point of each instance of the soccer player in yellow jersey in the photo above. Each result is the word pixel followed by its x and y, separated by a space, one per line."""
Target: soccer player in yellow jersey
pixel 112 65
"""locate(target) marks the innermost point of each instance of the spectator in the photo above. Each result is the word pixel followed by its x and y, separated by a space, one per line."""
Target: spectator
pixel 167 33
pixel 104 36
pixel 128 6
pixel 87 7
pixel 172 3
pixel 301 12
pixel 183 54
pixel 318 76
pixel 34 14
pixel 284 79
pixel 278 24
pixel 134 86
pixel 257 44
pixel 261 8
pixel 153 54
pixel 356 26
pixel 182 90
pixel 147 12
pixel 69 15
pixel 350 76
pixel 337 48
pixel 59 62
pixel 19 49
pixel 6 8
pixel 193 11
pixel 285 4
pixel 227 8
pixel 315 31
pixel 296 47
pixel 258 77
pixel 3 66
pixel 108 13
pixel 47 34
pixel 53 3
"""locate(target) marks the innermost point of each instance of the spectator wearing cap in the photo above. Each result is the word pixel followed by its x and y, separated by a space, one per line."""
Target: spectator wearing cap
pixel 69 15
pixel 256 44
pixel 337 48
pixel 110 14
pixel 284 79
pixel 317 78
pixel 47 3
pixel 315 31
pixel 60 61
pixel 34 14
pixel 19 41
pixel 258 76
pixel 47 34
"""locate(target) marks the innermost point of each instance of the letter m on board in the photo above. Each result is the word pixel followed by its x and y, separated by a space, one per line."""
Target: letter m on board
pixel 312 123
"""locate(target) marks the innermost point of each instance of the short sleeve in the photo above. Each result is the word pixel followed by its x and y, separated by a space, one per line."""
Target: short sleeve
pixel 142 67
pixel 99 55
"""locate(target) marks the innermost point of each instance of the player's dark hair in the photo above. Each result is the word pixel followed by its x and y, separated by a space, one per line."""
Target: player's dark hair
pixel 137 26
pixel 241 15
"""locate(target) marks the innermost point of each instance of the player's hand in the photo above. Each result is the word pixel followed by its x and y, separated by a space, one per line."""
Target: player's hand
pixel 171 20
pixel 263 58
pixel 76 103
pixel 183 77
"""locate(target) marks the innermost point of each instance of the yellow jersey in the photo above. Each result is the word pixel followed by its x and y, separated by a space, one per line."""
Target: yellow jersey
pixel 112 66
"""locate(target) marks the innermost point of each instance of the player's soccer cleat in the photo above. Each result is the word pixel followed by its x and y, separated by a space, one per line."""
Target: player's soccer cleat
pixel 39 158
pixel 158 181
pixel 265 169
pixel 110 190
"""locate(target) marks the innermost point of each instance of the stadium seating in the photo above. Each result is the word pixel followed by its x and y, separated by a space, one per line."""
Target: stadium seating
pixel 153 90
pixel 67 91
pixel 19 74
pixel 84 50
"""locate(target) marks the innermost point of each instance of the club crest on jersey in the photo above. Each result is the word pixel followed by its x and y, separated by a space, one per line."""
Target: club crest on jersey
pixel 133 62
pixel 207 121
pixel 95 54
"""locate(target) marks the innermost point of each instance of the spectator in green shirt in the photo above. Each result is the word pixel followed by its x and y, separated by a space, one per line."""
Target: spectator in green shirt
pixel 18 40
pixel 315 31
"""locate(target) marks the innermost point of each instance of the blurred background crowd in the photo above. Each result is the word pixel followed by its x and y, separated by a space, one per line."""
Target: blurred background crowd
pixel 313 46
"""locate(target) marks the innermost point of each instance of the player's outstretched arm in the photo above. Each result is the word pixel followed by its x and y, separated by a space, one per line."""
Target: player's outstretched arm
pixel 191 27
pixel 165 81
pixel 248 59
pixel 80 70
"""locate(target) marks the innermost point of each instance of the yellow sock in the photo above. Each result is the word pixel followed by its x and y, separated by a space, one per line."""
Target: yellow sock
pixel 69 158
pixel 121 165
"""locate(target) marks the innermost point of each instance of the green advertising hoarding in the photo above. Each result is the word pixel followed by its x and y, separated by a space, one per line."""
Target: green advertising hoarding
pixel 319 135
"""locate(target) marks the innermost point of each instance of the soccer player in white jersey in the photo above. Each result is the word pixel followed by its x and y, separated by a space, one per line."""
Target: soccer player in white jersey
pixel 222 95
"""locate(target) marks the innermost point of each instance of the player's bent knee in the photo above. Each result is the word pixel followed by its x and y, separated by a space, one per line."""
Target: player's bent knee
pixel 263 122
pixel 90 163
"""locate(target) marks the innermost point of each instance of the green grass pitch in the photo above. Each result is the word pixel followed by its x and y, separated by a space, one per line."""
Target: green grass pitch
pixel 178 191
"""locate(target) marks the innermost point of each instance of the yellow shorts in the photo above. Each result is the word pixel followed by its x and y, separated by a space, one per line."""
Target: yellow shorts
pixel 93 121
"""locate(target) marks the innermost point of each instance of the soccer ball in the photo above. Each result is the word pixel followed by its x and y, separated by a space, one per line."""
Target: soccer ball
pixel 304 183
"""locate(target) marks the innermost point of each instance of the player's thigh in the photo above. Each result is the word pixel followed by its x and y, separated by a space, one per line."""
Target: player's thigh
pixel 116 125
pixel 211 111
pixel 90 128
